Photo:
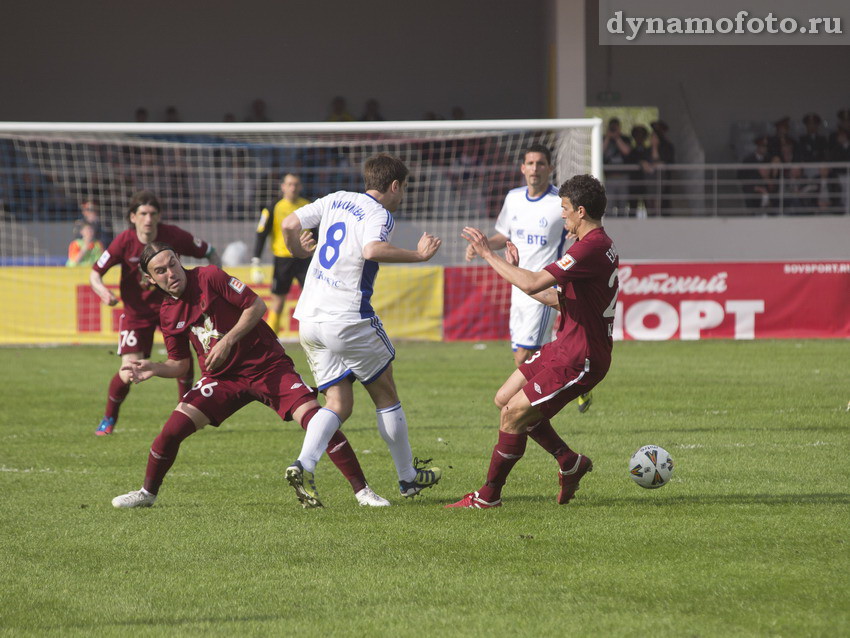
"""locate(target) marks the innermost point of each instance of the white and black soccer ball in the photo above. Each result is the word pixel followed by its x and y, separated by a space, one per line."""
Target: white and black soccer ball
pixel 651 467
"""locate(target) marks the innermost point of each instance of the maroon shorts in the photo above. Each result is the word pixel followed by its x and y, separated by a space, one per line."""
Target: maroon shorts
pixel 554 381
pixel 135 335
pixel 279 386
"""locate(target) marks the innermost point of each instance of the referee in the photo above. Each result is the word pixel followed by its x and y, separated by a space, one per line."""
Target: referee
pixel 286 267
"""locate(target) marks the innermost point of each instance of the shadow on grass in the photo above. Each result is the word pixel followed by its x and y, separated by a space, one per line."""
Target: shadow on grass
pixel 165 622
pixel 711 499
pixel 722 499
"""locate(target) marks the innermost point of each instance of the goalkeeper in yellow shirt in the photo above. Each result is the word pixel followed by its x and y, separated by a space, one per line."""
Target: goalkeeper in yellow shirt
pixel 286 267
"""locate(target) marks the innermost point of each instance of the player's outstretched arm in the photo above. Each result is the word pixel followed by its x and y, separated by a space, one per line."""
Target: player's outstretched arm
pixel 144 369
pixel 529 282
pixel 548 297
pixel 213 257
pixel 385 252
pixel 101 290
pixel 497 242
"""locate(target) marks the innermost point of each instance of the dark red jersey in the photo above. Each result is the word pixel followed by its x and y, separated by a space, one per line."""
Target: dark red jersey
pixel 587 293
pixel 141 300
pixel 207 310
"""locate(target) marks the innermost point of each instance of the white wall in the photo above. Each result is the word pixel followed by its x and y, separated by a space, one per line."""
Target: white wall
pixel 98 61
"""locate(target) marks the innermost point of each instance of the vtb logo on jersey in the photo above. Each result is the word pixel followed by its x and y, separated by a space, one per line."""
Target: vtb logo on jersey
pixel 566 262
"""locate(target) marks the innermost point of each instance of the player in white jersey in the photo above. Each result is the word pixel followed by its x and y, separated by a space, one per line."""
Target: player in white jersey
pixel 339 330
pixel 531 220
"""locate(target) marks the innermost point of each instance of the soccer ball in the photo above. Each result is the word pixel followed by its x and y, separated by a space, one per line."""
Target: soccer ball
pixel 651 467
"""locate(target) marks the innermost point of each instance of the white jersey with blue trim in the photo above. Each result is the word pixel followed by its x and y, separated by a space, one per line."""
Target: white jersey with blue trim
pixel 339 282
pixel 535 226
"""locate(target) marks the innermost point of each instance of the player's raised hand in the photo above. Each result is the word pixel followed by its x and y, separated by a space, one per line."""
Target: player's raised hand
pixel 138 369
pixel 511 253
pixel 428 246
pixel 308 242
pixel 109 299
pixel 477 240
pixel 470 253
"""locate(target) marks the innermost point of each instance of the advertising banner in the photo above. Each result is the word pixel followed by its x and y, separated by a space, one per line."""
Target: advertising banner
pixel 57 306
pixel 733 300
pixel 688 301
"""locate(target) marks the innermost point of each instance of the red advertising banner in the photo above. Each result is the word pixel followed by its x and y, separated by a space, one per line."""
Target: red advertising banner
pixel 733 300
pixel 688 301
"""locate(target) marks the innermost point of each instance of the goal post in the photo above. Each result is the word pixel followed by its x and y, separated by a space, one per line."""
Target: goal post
pixel 214 179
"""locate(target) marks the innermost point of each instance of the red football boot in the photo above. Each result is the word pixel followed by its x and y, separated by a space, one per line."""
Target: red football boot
pixel 473 501
pixel 569 479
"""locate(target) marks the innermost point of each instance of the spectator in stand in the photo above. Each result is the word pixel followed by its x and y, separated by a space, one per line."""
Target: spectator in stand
pixel 258 112
pixel 780 138
pixel 141 114
pixel 843 125
pixel 372 111
pixel 339 111
pixel 813 148
pixel 792 178
pixel 616 147
pixel 171 114
pixel 662 148
pixel 89 214
pixel 640 157
pixel 662 153
pixel 839 151
pixel 86 250
pixel 758 183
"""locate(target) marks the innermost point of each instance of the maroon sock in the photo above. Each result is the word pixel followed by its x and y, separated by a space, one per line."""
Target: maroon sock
pixel 545 436
pixel 507 452
pixel 184 383
pixel 165 447
pixel 342 454
pixel 118 391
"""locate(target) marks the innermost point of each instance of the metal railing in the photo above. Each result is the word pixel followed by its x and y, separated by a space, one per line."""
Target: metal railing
pixel 729 190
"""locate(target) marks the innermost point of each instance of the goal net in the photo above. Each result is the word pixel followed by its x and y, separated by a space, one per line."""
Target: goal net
pixel 213 180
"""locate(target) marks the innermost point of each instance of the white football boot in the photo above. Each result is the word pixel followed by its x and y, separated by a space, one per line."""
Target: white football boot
pixel 139 498
pixel 367 496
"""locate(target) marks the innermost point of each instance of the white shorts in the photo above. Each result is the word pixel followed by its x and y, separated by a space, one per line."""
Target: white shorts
pixel 531 322
pixel 336 350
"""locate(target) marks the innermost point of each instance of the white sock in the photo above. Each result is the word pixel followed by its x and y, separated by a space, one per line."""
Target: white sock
pixel 320 429
pixel 392 425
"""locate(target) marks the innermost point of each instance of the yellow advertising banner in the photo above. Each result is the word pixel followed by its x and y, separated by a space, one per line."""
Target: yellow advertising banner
pixel 57 306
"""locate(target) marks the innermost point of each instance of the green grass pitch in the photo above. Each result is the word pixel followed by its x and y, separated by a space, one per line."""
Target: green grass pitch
pixel 750 538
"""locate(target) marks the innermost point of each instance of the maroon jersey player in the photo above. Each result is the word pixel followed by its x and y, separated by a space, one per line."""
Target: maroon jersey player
pixel 141 300
pixel 585 291
pixel 241 361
